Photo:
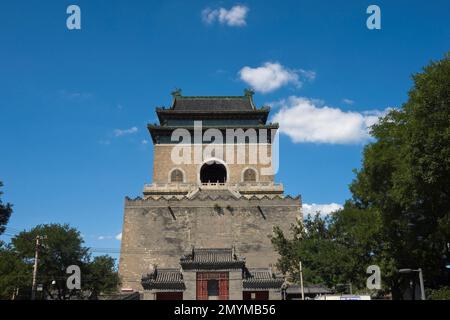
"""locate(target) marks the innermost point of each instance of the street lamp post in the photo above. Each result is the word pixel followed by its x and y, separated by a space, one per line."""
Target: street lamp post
pixel 301 280
pixel 422 287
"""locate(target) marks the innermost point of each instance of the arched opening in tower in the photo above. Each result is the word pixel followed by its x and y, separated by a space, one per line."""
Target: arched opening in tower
pixel 213 173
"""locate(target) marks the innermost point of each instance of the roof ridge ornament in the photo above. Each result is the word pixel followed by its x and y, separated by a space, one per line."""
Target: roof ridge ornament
pixel 249 92
pixel 176 93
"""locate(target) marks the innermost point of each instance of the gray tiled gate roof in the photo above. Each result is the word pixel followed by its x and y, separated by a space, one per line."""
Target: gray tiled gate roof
pixel 261 279
pixel 223 258
pixel 164 279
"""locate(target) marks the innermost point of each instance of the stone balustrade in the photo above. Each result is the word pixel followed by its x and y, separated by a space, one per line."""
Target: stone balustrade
pixel 247 187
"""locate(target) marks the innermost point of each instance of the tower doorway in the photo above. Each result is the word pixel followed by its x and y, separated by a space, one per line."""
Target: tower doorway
pixel 214 172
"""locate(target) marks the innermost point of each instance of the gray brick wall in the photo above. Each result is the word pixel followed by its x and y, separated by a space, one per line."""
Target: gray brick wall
pixel 152 235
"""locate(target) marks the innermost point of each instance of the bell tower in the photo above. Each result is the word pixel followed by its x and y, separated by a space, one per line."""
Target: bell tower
pixel 213 187
pixel 224 142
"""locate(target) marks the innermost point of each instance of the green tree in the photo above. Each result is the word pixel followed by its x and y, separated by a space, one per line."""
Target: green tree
pixel 62 246
pixel 439 294
pixel 102 277
pixel 357 233
pixel 335 249
pixel 15 275
pixel 5 212
pixel 399 216
pixel 309 244
pixel 406 176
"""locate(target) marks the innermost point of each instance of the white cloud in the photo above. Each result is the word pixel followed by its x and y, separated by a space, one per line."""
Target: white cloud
pixel 272 75
pixel 305 120
pixel 324 209
pixel 307 74
pixel 119 237
pixel 123 132
pixel 348 101
pixel 104 238
pixel 104 142
pixel 234 17
pixel 75 95
pixel 144 141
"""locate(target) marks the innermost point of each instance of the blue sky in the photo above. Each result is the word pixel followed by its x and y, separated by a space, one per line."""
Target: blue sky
pixel 74 104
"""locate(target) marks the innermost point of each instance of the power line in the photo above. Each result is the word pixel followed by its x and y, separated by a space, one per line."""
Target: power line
pixel 128 251
pixel 8 234
pixel 14 229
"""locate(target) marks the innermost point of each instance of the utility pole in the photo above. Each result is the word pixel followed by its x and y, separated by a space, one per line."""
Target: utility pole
pixel 301 280
pixel 35 268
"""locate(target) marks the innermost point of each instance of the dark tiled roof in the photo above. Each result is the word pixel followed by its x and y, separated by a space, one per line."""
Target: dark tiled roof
pixel 259 274
pixel 211 259
pixel 261 279
pixel 212 255
pixel 308 289
pixel 237 103
pixel 164 279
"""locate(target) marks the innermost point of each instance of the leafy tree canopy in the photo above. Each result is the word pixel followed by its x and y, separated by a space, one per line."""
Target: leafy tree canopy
pixel 334 249
pixel 406 175
pixel 61 246
pixel 399 215
pixel 5 212
pixel 15 275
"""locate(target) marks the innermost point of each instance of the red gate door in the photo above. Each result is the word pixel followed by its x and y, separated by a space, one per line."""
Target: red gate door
pixel 202 284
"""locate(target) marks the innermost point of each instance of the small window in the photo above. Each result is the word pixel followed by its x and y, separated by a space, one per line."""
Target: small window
pixel 249 175
pixel 176 176
pixel 213 288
